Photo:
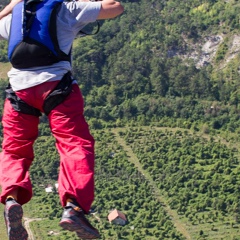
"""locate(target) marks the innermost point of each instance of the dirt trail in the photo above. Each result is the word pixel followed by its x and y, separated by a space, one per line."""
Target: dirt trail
pixel 27 226
pixel 175 218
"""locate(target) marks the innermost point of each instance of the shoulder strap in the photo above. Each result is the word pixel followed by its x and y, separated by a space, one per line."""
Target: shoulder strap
pixel 29 11
pixel 53 33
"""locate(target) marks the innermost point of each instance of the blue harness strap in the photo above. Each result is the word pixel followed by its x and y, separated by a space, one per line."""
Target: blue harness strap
pixel 16 36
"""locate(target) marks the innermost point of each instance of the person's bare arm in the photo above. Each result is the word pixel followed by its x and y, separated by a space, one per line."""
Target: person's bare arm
pixel 8 9
pixel 110 9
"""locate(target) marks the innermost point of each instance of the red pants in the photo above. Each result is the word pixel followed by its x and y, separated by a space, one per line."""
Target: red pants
pixel 73 141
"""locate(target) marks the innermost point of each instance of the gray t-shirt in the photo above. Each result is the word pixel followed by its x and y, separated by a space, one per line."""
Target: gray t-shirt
pixel 71 18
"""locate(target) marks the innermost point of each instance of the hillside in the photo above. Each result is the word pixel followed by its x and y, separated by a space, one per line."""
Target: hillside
pixel 167 181
pixel 163 59
pixel 161 88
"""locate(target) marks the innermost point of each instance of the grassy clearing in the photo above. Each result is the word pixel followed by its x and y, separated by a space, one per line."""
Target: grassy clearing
pixel 4 68
pixel 3 232
pixel 49 229
pixel 221 230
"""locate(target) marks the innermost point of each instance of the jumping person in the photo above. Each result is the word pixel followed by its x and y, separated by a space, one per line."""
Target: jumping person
pixel 40 81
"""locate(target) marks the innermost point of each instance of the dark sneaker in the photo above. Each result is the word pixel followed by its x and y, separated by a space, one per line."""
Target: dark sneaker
pixel 13 214
pixel 75 220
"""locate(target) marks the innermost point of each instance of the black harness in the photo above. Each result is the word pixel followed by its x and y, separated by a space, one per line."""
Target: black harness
pixel 54 98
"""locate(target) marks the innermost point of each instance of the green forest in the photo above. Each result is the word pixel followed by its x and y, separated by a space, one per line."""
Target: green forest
pixel 166 127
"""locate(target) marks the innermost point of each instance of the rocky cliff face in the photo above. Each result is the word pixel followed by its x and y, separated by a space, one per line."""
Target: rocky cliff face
pixel 204 54
pixel 208 50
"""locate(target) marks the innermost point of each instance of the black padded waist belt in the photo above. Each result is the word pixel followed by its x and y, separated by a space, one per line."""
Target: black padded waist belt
pixel 54 98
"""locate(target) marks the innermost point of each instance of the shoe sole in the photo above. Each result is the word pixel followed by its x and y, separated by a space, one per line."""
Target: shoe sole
pixel 16 231
pixel 82 232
